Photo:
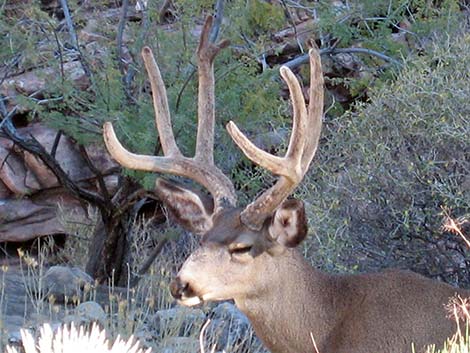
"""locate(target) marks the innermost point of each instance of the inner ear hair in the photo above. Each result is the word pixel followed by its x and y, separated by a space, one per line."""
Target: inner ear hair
pixel 188 208
pixel 289 223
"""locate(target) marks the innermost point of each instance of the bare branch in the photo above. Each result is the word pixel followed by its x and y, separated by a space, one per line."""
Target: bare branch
pixel 97 172
pixel 69 22
pixel 303 59
pixel 73 37
pixel 33 146
pixel 218 17
pixel 56 143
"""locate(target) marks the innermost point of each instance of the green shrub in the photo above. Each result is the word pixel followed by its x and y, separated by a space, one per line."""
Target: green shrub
pixel 389 168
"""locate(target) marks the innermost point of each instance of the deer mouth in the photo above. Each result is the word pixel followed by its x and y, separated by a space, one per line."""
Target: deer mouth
pixel 184 293
pixel 191 301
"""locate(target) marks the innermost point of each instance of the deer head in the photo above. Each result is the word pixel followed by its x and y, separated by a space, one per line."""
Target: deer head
pixel 246 253
pixel 237 243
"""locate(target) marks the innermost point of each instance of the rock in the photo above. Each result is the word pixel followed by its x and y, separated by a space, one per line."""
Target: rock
pixel 179 321
pixel 20 216
pixel 32 82
pixel 347 61
pixel 5 193
pixel 12 325
pixel 67 155
pixel 100 158
pixel 179 344
pixel 13 171
pixel 62 281
pixel 22 174
pixel 73 319
pixel 229 329
pixel 90 312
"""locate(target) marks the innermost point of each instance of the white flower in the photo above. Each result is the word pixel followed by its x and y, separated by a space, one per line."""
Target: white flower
pixel 73 340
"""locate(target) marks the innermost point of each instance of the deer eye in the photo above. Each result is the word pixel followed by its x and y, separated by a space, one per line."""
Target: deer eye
pixel 239 249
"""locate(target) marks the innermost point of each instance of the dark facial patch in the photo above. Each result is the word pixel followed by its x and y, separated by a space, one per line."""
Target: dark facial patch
pixel 227 229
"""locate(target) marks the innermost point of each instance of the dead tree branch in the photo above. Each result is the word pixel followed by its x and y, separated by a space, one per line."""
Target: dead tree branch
pixel 33 146
pixel 73 37
pixel 303 59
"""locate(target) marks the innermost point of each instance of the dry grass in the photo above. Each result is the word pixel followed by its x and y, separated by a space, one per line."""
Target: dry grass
pixel 459 343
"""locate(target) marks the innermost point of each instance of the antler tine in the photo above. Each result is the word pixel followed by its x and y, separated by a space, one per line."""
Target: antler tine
pixel 160 104
pixel 173 162
pixel 290 165
pixel 219 186
pixel 302 145
pixel 206 52
pixel 315 108
pixel 137 161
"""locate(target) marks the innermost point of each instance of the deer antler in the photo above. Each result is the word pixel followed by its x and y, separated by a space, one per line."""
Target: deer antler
pixel 201 167
pixel 302 145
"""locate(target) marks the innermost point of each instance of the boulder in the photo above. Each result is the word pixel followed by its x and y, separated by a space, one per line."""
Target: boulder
pixel 180 321
pixel 35 81
pixel 230 330
pixel 89 312
pixel 65 282
pixel 30 194
pixel 20 217
pixel 179 344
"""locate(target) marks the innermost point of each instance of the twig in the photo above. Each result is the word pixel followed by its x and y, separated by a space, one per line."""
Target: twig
pixel 4 113
pixel 61 57
pixel 131 71
pixel 56 143
pixel 303 59
pixel 97 172
pixel 180 93
pixel 73 36
pixel 15 60
pixel 69 22
pixel 218 16
pixel 149 261
pixel 120 33
pixel 292 22
pixel 455 226
pixel 314 343
pixel 201 337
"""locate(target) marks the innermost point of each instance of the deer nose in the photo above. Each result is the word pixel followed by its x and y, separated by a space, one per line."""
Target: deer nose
pixel 178 288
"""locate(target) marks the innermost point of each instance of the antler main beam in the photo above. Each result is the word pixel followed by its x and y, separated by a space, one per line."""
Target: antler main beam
pixel 302 145
pixel 201 167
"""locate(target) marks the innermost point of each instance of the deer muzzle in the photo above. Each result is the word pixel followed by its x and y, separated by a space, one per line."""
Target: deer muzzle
pixel 183 292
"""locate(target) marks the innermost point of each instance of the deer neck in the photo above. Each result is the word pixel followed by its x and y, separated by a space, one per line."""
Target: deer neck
pixel 296 304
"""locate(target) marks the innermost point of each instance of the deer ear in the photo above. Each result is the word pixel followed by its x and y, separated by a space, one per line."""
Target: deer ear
pixel 289 224
pixel 186 206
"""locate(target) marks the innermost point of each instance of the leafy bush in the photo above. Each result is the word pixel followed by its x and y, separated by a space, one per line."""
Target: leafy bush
pixel 378 178
pixel 388 169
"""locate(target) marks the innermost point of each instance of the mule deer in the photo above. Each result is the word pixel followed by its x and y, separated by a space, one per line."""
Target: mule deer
pixel 248 254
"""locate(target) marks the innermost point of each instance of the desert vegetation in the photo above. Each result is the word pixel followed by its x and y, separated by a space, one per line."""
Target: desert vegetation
pixel 392 171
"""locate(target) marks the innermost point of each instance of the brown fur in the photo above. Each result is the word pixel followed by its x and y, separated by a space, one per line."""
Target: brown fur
pixel 289 302
pixel 367 313
pixel 247 255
